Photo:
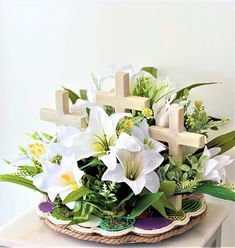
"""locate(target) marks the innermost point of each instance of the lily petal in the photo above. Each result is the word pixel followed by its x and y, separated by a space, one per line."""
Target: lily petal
pixel 109 160
pixel 152 182
pixel 136 185
pixel 127 142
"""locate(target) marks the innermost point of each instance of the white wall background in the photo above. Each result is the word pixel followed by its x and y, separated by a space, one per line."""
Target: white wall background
pixel 46 43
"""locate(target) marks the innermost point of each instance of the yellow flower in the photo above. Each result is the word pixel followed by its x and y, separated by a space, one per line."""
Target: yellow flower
pixel 128 123
pixel 148 113
pixel 198 104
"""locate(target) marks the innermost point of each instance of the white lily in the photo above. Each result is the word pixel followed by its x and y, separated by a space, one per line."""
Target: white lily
pixel 142 134
pixel 59 179
pixel 100 134
pixel 214 168
pixel 136 170
pixel 64 144
pixel 161 111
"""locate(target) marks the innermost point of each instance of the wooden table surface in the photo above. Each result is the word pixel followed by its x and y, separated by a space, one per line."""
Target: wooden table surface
pixel 27 230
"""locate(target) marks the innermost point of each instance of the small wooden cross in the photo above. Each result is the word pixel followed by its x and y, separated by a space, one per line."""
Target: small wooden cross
pixel 175 135
pixel 121 99
pixel 62 115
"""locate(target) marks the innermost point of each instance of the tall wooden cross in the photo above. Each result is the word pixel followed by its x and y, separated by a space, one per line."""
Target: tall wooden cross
pixel 121 99
pixel 175 135
pixel 61 115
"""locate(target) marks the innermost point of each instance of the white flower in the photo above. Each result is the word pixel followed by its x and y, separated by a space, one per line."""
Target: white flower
pixel 100 134
pixel 64 144
pixel 161 111
pixel 214 168
pixel 35 151
pixel 142 134
pixel 136 170
pixel 59 179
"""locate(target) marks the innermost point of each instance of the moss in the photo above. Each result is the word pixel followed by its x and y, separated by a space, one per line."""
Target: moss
pixel 62 213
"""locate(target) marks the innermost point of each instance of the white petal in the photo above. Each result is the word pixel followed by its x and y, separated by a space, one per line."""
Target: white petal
pixel 214 176
pixel 127 142
pixel 63 195
pixel 157 146
pixel 83 146
pixel 206 152
pixel 152 182
pixel 150 160
pixel 210 166
pixel 145 128
pixel 125 158
pixel 162 118
pixel 136 185
pixel 78 174
pixel 109 160
pixel 100 123
pixel 223 160
pixel 64 132
pixel 116 175
pixel 91 93
pixel 138 133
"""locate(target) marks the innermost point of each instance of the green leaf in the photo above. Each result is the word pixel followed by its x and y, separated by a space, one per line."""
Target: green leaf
pixel 47 136
pixel 158 205
pixel 76 194
pixel 72 95
pixel 184 167
pixel 143 203
pixel 225 142
pixel 83 94
pixel 216 191
pixel 19 180
pixel 151 70
pixel 180 93
pixel 127 198
pixel 168 187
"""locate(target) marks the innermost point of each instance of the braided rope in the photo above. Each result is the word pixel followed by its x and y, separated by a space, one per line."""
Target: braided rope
pixel 130 237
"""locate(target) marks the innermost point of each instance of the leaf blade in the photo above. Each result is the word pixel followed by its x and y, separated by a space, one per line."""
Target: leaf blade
pixel 76 194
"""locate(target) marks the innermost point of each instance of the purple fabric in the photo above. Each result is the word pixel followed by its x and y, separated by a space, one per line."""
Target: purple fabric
pixel 151 223
pixel 46 207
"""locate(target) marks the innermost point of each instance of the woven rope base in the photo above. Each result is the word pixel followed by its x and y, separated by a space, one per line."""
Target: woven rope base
pixel 128 238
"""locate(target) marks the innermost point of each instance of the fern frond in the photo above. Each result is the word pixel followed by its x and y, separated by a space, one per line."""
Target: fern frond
pixel 187 186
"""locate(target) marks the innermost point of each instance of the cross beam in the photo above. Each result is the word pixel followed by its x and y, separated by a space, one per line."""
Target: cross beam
pixel 61 115
pixel 121 99
pixel 175 135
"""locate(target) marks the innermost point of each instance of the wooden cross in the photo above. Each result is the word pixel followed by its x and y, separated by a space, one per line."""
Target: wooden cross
pixel 175 135
pixel 121 99
pixel 62 115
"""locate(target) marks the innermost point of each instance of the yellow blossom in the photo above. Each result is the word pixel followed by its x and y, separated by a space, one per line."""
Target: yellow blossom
pixel 148 113
pixel 128 123
pixel 198 104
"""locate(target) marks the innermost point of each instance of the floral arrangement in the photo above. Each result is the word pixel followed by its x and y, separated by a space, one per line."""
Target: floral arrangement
pixel 113 172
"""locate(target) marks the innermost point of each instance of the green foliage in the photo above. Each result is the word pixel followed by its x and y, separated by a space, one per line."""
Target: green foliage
pixel 146 88
pixel 199 122
pixel 186 176
pixel 168 187
pixel 62 212
pixel 108 191
pixel 181 92
pixel 81 212
pixel 28 171
pixel 225 142
pixel 19 180
pixel 151 70
pixel 72 95
pixel 143 203
pixel 216 190
pixel 77 194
